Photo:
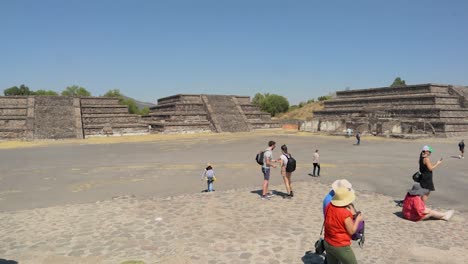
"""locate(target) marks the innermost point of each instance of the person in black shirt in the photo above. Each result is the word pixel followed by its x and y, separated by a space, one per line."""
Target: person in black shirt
pixel 461 146
pixel 426 168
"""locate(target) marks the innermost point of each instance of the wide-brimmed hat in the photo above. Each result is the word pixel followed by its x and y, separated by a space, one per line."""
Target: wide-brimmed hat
pixel 342 183
pixel 418 190
pixel 427 148
pixel 343 196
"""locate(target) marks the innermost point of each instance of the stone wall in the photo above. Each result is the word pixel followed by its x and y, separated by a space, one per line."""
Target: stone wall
pixel 55 117
pixel 432 109
pixel 58 117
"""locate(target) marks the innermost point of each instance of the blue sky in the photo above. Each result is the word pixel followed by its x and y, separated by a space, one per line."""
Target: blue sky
pixel 299 49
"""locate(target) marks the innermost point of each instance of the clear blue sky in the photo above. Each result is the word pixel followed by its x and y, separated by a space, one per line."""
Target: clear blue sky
pixel 299 49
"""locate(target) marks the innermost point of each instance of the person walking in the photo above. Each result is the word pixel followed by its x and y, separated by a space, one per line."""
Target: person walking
pixel 209 175
pixel 358 138
pixel 286 175
pixel 461 146
pixel 316 163
pixel 340 224
pixel 267 164
pixel 426 168
pixel 414 206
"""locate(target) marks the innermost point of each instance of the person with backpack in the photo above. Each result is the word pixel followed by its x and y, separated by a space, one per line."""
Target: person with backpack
pixel 341 223
pixel 461 146
pixel 288 165
pixel 265 159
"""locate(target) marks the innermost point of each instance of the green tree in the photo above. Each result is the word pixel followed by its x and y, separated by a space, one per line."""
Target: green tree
pixel 398 82
pixel 75 90
pixel 21 91
pixel 145 111
pixel 274 104
pixel 271 103
pixel 113 93
pixel 258 98
pixel 132 106
pixel 324 98
pixel 45 93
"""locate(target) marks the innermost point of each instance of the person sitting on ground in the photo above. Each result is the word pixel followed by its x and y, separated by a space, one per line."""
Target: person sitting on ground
pixel 340 224
pixel 414 206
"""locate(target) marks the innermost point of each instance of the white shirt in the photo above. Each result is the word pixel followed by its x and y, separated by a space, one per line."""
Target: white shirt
pixel 284 159
pixel 316 158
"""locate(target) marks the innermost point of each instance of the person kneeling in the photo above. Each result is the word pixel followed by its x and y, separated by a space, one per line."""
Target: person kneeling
pixel 414 206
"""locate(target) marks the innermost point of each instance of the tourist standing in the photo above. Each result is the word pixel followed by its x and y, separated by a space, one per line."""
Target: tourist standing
pixel 426 168
pixel 335 185
pixel 267 164
pixel 340 224
pixel 286 175
pixel 461 146
pixel 358 138
pixel 316 163
pixel 209 175
pixel 414 206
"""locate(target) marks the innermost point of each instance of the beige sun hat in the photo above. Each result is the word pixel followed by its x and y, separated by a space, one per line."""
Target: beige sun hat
pixel 342 183
pixel 343 196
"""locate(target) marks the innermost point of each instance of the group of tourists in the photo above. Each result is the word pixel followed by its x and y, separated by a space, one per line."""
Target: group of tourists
pixel 342 222
pixel 414 204
pixel 286 173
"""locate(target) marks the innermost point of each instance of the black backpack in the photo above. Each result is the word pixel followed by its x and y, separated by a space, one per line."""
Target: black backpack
pixel 259 157
pixel 291 165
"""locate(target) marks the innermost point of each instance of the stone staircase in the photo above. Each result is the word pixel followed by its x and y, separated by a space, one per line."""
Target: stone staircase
pixel 105 116
pixel 180 113
pixel 225 114
pixel 440 110
pixel 184 113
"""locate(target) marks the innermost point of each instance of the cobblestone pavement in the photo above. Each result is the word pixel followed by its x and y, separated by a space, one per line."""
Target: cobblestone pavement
pixel 233 226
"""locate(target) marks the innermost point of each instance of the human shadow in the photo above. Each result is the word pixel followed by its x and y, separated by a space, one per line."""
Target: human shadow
pixel 399 214
pixel 5 261
pixel 280 193
pixel 455 157
pixel 258 192
pixel 312 258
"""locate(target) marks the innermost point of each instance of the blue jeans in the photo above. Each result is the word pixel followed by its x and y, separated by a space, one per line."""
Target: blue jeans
pixel 210 185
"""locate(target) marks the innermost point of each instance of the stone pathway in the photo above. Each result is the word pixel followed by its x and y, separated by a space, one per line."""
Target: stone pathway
pixel 222 227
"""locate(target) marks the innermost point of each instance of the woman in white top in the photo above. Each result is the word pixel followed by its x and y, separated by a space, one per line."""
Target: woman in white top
pixel 286 175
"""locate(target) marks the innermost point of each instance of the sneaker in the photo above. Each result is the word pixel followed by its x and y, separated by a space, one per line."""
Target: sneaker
pixel 265 197
pixel 448 215
pixel 291 194
pixel 269 195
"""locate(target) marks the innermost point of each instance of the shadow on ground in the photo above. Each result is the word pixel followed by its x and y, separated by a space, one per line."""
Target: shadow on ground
pixel 312 258
pixel 4 261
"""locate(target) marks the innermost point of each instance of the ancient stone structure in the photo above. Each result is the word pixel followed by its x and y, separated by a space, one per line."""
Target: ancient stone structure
pixel 188 113
pixel 431 109
pixel 58 117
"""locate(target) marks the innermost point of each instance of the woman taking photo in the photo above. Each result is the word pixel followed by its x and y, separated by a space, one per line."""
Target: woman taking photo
pixel 340 224
pixel 426 168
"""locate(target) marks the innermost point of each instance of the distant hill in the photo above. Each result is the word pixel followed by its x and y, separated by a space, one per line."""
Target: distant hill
pixel 140 104
pixel 303 113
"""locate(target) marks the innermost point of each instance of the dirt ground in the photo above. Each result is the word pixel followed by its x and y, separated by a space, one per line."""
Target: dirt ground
pixel 50 173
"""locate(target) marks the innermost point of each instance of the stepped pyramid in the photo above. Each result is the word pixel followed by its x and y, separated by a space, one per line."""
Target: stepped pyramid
pixel 60 117
pixel 431 109
pixel 189 113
